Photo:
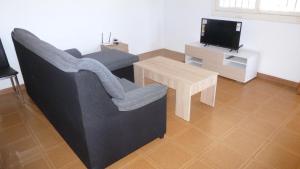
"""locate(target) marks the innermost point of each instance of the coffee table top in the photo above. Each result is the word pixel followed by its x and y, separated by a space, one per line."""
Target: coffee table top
pixel 176 70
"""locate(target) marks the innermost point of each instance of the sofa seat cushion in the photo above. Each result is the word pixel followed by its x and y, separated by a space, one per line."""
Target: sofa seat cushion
pixel 113 59
pixel 128 85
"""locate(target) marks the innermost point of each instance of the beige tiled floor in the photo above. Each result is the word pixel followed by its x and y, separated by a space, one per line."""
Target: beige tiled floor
pixel 253 126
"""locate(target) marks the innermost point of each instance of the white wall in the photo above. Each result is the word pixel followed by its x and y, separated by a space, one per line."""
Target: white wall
pixel 146 25
pixel 279 43
pixel 79 23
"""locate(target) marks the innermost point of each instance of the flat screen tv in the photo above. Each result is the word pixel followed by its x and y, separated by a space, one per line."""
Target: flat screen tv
pixel 221 33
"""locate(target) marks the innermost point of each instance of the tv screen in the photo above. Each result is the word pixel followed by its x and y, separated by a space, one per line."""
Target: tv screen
pixel 221 33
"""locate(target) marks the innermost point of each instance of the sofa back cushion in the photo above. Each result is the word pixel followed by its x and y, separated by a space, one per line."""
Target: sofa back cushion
pixel 54 56
pixel 68 63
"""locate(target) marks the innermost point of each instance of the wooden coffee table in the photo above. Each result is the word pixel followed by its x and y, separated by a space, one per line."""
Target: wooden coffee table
pixel 187 80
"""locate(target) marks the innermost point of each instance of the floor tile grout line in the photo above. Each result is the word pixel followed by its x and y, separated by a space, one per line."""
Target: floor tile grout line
pixel 16 141
pixel 171 141
pixel 36 140
pixel 145 157
pixel 149 151
pixel 66 165
pixel 31 158
pixel 261 148
pixel 218 139
pixel 215 140
pixel 184 149
pixel 280 128
pixel 207 149
pixel 9 114
pixel 271 137
pixel 252 156
pixel 52 147
pixel 287 150
pixel 231 130
pixel 179 133
pixel 153 163
pixel 130 162
pixel 188 163
pixel 252 160
pixel 10 127
pixel 164 141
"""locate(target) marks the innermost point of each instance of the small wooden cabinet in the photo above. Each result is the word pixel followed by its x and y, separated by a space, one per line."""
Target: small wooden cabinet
pixel 241 66
pixel 121 46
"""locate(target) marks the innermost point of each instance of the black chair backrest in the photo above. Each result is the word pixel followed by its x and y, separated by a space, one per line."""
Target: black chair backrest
pixel 3 59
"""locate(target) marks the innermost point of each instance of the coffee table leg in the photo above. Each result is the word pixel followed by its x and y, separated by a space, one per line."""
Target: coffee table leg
pixel 183 102
pixel 208 96
pixel 139 77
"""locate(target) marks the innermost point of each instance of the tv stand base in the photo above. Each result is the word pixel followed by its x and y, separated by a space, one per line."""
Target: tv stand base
pixel 240 66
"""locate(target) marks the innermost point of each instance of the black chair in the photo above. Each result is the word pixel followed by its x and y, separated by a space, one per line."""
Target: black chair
pixel 7 72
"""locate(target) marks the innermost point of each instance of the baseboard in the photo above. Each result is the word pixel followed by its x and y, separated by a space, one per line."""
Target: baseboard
pixel 163 52
pixel 147 55
pixel 180 56
pixel 10 90
pixel 278 80
pixel 174 55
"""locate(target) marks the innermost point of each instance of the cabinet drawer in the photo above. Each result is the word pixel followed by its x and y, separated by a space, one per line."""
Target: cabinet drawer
pixel 205 54
pixel 235 73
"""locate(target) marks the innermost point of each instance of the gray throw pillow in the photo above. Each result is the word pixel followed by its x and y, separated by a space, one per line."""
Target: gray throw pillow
pixel 109 81
pixel 74 52
pixel 140 97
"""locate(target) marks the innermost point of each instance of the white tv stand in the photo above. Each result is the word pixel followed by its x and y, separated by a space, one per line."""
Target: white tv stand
pixel 240 66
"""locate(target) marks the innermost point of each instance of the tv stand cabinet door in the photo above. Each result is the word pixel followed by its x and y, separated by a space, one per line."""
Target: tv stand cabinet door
pixel 205 53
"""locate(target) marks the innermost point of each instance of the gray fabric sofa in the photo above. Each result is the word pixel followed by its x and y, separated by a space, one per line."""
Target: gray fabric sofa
pixel 102 117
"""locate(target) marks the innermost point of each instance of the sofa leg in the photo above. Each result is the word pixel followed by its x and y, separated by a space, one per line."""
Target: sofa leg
pixel 162 136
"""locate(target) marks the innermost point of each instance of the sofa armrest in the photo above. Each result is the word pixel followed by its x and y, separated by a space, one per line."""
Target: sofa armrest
pixel 140 97
pixel 74 52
